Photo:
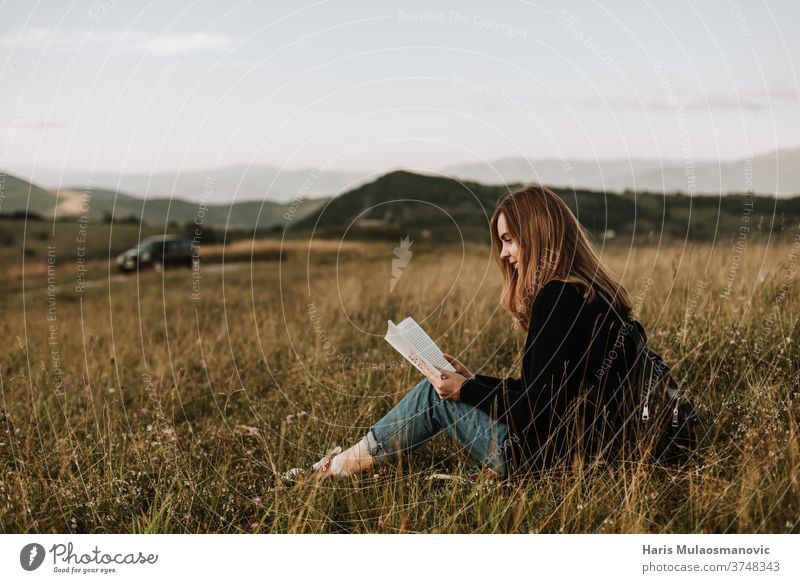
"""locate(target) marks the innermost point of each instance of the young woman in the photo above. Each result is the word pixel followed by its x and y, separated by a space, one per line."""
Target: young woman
pixel 568 399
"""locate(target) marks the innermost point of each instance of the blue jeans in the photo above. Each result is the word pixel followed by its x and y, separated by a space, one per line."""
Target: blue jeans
pixel 421 414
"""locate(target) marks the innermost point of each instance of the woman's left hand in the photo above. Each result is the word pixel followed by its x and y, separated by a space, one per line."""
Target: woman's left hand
pixel 448 387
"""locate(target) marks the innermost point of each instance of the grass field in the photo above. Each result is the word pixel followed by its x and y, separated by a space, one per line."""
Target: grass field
pixel 31 241
pixel 160 403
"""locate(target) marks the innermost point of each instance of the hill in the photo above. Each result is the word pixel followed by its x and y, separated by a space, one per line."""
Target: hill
pixel 404 203
pixel 768 173
pixel 17 195
pixel 240 182
pixel 160 211
pixel 100 204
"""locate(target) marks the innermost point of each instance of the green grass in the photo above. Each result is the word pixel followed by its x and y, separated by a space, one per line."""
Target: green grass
pixel 170 414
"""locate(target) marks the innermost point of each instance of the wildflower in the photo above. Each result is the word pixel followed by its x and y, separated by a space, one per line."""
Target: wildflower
pixel 247 429
pixel 292 418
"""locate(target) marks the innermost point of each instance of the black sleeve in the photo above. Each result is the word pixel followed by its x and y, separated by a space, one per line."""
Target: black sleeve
pixel 546 388
pixel 486 393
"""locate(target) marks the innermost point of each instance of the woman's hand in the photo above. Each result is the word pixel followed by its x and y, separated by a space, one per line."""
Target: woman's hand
pixel 448 387
pixel 459 366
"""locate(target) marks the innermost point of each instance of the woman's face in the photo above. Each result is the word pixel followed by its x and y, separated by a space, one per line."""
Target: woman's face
pixel 510 251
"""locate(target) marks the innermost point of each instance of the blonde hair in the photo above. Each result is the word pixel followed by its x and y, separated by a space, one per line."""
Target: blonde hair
pixel 552 246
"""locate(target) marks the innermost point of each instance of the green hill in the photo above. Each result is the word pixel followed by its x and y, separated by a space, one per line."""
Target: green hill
pixel 17 195
pixel 407 204
pixel 102 204
pixel 404 203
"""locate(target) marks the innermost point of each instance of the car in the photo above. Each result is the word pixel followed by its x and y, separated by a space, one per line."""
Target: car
pixel 158 252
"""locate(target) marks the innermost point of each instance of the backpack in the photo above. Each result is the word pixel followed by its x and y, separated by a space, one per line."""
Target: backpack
pixel 659 417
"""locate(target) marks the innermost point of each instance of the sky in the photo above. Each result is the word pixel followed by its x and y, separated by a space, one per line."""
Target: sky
pixel 144 87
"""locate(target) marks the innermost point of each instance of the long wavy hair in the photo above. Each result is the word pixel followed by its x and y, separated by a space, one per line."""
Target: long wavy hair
pixel 552 245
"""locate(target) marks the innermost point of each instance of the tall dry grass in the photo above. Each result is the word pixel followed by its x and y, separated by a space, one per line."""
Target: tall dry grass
pixel 136 408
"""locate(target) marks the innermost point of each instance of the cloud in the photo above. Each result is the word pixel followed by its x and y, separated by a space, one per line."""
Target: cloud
pixel 744 100
pixel 128 41
pixel 708 102
pixel 688 102
pixel 782 90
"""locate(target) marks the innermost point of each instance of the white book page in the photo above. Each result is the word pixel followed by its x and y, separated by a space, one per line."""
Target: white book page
pixel 403 346
pixel 423 344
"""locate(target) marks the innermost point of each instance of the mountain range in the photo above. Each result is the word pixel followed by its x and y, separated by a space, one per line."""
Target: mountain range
pixel 224 185
pixel 772 173
pixel 18 197
pixel 437 208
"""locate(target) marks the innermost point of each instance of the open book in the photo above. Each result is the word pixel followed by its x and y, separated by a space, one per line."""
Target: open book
pixel 410 340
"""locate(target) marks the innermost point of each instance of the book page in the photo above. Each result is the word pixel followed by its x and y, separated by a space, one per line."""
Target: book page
pixel 410 340
pixel 404 347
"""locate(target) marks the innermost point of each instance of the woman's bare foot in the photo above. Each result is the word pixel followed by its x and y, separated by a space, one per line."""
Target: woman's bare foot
pixel 354 460
pixel 322 469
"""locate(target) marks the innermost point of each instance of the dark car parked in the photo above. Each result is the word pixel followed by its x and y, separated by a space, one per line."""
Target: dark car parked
pixel 157 252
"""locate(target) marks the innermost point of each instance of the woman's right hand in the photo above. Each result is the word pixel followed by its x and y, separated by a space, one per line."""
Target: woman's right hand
pixel 459 366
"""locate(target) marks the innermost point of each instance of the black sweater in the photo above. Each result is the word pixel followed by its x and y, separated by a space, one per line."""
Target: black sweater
pixel 576 357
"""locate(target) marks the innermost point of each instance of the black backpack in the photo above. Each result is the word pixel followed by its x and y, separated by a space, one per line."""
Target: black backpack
pixel 659 417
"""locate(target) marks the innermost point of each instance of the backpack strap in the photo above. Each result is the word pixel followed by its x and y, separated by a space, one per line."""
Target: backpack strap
pixel 647 367
pixel 651 369
pixel 637 330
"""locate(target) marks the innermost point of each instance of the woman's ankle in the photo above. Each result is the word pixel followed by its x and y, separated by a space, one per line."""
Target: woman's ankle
pixel 354 460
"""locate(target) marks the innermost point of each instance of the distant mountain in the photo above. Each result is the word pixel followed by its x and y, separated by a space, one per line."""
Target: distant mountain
pixel 436 208
pixel 770 174
pixel 403 204
pixel 214 186
pixel 98 204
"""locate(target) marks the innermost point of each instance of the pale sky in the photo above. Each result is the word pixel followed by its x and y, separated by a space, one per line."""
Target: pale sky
pixel 129 86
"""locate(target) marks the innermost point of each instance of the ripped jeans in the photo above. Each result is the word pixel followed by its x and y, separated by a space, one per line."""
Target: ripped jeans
pixel 421 414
